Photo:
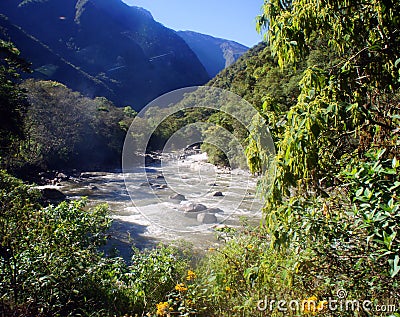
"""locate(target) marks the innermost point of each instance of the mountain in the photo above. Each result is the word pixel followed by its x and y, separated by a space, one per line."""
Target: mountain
pixel 214 53
pixel 101 48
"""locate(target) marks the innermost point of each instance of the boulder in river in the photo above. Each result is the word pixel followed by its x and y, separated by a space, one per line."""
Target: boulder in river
pixel 177 197
pixel 218 194
pixel 206 218
pixel 194 208
pixel 62 176
pixel 52 194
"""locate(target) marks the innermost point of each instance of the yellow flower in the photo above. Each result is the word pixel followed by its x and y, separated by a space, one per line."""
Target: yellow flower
pixel 180 287
pixel 250 247
pixel 191 275
pixel 211 249
pixel 312 306
pixel 163 309
pixel 228 289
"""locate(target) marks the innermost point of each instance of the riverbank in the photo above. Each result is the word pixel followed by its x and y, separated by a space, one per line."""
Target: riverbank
pixel 145 207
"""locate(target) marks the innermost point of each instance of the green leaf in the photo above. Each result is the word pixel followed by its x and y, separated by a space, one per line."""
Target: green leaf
pixel 359 192
pixel 396 184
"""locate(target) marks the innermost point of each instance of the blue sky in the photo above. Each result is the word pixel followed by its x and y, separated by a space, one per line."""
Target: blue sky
pixel 229 19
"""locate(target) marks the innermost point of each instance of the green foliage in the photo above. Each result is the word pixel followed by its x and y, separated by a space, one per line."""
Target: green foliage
pixel 331 116
pixel 328 86
pixel 233 278
pixel 67 130
pixel 154 273
pixel 12 102
pixel 51 265
pixel 130 112
pixel 375 189
pixel 46 252
pixel 334 194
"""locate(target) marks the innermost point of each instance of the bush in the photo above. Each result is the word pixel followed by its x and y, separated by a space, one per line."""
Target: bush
pixel 51 265
pixel 46 252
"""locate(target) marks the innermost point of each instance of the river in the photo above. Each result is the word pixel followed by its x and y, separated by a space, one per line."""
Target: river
pixel 144 213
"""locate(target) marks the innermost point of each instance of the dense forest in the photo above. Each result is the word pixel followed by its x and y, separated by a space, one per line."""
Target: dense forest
pixel 327 83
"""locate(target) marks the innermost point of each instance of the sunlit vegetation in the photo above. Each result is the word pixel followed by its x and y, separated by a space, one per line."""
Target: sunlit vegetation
pixel 327 82
pixel 51 265
pixel 65 129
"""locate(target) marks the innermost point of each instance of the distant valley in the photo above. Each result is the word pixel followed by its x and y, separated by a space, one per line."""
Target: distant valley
pixel 214 53
pixel 107 48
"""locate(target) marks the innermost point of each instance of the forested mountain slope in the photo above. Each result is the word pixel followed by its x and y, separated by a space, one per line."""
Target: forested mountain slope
pixel 101 48
pixel 215 53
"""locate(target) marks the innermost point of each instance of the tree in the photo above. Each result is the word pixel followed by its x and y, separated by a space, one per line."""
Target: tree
pixel 334 196
pixel 12 101
pixel 66 130
pixel 349 103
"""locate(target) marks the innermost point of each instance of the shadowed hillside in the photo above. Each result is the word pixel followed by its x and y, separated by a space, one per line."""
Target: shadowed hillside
pixel 101 48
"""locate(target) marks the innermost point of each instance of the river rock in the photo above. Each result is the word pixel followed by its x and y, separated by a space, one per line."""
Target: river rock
pixel 152 159
pixel 93 187
pixel 62 176
pixel 92 174
pixel 177 197
pixel 214 210
pixel 218 194
pixel 194 207
pixel 212 184
pixel 149 159
pixel 53 194
pixel 160 176
pixel 157 186
pixel 206 218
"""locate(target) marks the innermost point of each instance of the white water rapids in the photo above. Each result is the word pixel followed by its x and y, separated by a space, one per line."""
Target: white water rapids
pixel 144 214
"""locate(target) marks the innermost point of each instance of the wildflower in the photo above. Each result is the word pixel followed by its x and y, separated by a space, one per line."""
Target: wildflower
pixel 228 289
pixel 180 287
pixel 211 249
pixel 163 309
pixel 310 305
pixel 250 247
pixel 191 275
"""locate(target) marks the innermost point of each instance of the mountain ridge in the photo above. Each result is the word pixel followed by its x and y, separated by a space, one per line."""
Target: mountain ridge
pixel 215 53
pixel 131 57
